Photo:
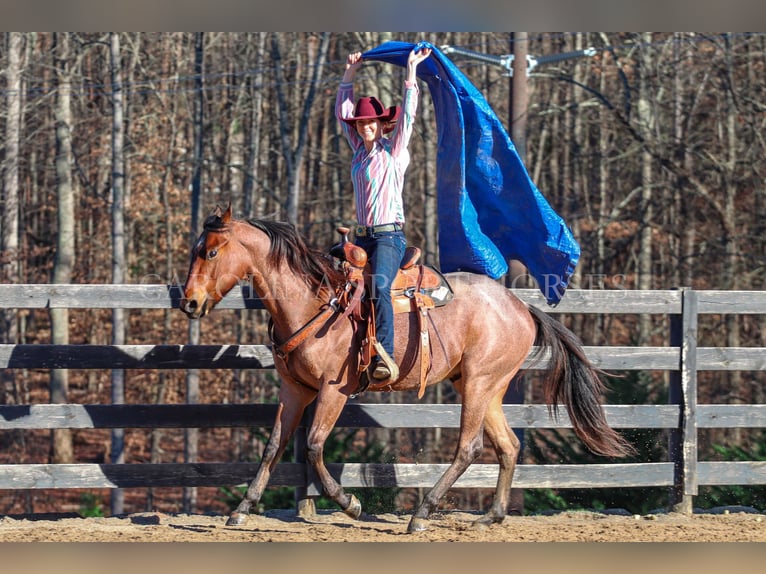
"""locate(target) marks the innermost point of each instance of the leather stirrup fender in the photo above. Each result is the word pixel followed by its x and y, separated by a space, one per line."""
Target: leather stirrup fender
pixel 365 347
pixel 425 343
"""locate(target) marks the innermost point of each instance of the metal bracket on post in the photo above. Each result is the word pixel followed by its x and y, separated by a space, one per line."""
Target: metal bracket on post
pixel 506 61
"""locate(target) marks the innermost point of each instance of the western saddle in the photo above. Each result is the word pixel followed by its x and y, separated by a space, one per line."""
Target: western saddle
pixel 415 289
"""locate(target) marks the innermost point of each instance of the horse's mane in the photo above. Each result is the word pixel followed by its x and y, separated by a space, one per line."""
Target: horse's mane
pixel 287 245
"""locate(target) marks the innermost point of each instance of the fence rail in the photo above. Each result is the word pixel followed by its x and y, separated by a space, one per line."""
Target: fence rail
pixel 682 417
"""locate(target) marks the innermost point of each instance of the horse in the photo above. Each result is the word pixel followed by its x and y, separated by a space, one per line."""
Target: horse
pixel 484 335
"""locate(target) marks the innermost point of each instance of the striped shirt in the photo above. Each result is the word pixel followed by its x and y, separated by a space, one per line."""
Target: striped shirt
pixel 378 176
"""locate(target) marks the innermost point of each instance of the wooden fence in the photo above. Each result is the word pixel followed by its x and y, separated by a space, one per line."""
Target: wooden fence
pixel 682 473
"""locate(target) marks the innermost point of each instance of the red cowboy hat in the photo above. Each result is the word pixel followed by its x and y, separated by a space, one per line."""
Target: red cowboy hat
pixel 369 108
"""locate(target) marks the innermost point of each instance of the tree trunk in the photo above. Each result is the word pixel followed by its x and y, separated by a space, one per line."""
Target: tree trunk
pixel 646 212
pixel 191 435
pixel 294 155
pixel 605 193
pixel 62 450
pixel 253 198
pixel 430 207
pixel 738 391
pixel 119 264
pixel 165 184
pixel 10 262
pixel 576 209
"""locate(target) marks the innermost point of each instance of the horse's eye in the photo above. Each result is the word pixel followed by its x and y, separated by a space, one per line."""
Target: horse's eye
pixel 212 253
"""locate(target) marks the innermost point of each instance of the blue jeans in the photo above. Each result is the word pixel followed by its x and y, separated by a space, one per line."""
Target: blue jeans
pixel 384 252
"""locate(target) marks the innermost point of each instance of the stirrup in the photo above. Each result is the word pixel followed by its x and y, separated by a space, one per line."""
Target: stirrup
pixel 364 382
pixel 381 371
pixel 388 361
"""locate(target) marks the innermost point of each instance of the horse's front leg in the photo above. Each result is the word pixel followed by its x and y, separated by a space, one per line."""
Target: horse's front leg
pixel 329 405
pixel 293 400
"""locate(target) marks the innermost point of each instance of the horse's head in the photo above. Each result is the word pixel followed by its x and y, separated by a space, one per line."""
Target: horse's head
pixel 217 265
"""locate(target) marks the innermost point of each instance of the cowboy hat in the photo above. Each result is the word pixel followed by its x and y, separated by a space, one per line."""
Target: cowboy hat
pixel 369 108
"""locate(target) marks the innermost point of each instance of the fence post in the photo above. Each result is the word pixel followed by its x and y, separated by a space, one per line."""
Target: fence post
pixel 191 435
pixel 682 444
pixel 514 395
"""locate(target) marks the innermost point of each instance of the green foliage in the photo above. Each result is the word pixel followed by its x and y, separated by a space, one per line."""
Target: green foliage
pixel 339 447
pixel 549 446
pixel 735 495
pixel 277 497
pixel 91 506
pixel 539 499
pixel 379 499
pixel 562 446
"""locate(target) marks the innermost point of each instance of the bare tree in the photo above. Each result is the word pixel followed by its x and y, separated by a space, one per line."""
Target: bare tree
pixel 294 154
pixel 65 238
pixel 654 150
pixel 191 435
pixel 430 207
pixel 253 203
pixel 10 263
pixel 119 264
pixel 646 125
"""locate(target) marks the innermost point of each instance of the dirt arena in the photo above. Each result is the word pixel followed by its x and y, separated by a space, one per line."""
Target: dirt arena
pixel 329 526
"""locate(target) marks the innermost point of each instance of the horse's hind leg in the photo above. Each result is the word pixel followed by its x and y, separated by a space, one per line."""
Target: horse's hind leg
pixel 469 447
pixel 467 452
pixel 507 447
pixel 293 401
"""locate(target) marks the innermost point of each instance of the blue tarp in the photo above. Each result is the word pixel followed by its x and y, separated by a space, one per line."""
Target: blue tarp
pixel 489 209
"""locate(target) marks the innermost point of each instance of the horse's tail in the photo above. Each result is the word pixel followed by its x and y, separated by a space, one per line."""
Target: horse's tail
pixel 571 379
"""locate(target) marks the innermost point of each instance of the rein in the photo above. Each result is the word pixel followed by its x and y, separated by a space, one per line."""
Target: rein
pixel 309 329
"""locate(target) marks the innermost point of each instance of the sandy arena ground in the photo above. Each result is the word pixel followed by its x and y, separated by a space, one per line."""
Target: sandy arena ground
pixel 329 526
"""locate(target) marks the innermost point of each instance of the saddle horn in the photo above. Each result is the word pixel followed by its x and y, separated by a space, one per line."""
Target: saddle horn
pixel 348 251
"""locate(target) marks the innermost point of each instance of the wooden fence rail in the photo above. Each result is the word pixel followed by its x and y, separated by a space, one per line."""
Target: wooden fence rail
pixel 682 473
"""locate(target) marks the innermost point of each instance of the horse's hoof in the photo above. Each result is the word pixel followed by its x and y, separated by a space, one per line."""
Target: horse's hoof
pixel 417 525
pixel 354 508
pixel 481 524
pixel 237 519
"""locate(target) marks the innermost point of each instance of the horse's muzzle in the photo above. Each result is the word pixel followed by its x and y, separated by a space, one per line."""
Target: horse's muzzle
pixel 193 309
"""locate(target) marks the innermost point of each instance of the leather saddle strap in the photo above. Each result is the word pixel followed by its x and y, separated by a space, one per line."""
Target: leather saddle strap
pixel 309 329
pixel 365 348
pixel 356 298
pixel 425 343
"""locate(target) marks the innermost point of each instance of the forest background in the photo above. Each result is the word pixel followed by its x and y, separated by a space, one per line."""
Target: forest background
pixel 116 145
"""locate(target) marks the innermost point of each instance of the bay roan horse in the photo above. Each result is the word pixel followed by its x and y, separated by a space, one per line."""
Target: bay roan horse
pixel 480 340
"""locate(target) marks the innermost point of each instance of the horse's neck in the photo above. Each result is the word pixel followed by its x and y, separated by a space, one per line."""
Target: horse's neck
pixel 288 298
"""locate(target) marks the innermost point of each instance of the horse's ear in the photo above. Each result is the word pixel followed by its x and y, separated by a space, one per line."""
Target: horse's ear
pixel 226 217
